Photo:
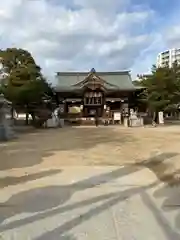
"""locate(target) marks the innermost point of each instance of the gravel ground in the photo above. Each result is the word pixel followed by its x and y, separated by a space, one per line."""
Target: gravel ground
pixel 91 183
pixel 155 148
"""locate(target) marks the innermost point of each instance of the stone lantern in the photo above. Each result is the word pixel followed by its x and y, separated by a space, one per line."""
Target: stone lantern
pixel 6 132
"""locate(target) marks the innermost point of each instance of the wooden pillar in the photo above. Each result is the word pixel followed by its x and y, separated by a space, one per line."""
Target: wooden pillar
pixel 125 107
pixel 65 108
pixel 120 111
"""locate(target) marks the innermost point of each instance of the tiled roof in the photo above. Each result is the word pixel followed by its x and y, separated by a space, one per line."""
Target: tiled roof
pixel 114 80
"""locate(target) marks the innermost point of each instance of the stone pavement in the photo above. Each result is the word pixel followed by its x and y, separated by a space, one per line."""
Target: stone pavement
pixel 79 203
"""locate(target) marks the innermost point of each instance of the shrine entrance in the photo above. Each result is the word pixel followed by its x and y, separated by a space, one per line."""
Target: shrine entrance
pixel 93 104
pixel 93 95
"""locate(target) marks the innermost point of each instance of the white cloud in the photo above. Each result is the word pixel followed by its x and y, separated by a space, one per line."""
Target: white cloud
pixel 104 6
pixel 173 36
pixel 93 33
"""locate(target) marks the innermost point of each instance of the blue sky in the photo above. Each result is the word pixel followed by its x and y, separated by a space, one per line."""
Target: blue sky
pixel 65 35
pixel 163 7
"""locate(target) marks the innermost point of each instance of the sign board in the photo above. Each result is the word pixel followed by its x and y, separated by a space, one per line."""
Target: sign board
pixel 161 118
pixel 117 116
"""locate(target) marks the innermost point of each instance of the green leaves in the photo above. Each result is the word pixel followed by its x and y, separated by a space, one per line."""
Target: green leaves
pixel 162 88
pixel 25 83
pixel 11 58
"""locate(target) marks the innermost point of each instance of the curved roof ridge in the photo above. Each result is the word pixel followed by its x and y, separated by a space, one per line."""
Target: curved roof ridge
pixel 96 75
pixel 70 73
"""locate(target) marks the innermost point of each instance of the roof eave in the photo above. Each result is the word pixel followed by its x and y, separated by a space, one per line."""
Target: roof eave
pixel 120 72
pixel 59 89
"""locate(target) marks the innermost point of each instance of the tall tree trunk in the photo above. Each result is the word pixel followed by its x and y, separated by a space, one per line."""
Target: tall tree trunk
pixel 33 117
pixel 12 113
pixel 27 116
pixel 154 119
pixel 27 119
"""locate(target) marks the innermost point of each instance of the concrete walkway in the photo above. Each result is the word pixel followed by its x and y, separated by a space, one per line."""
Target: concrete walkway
pixel 93 203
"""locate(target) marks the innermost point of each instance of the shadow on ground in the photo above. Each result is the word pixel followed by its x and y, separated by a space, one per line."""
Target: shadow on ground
pixel 172 122
pixel 44 198
pixel 10 181
pixel 158 166
pixel 46 202
pixel 170 191
pixel 18 130
pixel 65 237
pixel 30 149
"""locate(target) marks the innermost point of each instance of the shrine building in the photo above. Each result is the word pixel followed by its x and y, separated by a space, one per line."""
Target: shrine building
pixel 99 94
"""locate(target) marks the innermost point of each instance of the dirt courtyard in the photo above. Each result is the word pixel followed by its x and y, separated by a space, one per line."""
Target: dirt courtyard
pixel 155 148
pixel 73 180
pixel 83 146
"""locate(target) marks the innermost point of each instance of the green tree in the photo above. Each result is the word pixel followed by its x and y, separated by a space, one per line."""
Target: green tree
pixel 162 89
pixel 25 85
pixel 12 58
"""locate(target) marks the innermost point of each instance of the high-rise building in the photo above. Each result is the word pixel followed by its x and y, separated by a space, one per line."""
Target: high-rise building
pixel 167 58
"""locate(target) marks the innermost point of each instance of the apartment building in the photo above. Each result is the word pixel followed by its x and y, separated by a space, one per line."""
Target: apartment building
pixel 167 58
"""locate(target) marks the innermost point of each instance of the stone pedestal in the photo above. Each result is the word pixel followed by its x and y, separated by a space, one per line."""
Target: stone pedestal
pixel 142 121
pixel 135 120
pixel 6 131
pixel 61 121
pixel 126 122
pixel 2 133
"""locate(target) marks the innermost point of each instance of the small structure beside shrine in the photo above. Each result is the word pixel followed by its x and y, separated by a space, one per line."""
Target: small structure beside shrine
pixel 89 95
